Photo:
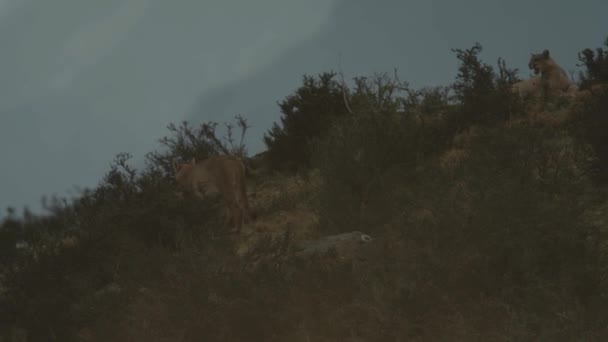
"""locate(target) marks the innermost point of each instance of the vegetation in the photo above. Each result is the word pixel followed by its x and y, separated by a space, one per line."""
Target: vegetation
pixel 591 119
pixel 305 115
pixel 489 218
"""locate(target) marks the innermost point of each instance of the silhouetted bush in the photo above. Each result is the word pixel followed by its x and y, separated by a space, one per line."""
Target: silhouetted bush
pixel 360 159
pixel 305 116
pixel 483 97
pixel 590 119
pixel 596 66
pixel 80 263
pixel 487 216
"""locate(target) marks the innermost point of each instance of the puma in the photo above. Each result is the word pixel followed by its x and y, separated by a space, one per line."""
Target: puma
pixel 218 174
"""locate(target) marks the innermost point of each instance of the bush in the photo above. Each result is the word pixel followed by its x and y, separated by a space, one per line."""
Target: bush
pixel 589 120
pixel 596 66
pixel 482 96
pixel 359 161
pixel 305 116
pixel 500 233
pixel 81 264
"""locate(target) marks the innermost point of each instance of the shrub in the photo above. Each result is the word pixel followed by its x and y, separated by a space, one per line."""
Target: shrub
pixel 482 96
pixel 305 116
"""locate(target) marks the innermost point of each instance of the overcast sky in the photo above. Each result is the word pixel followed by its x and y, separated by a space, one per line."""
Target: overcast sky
pixel 82 80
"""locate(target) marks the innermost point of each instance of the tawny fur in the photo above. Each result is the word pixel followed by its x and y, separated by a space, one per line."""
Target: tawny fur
pixel 554 79
pixel 529 87
pixel 218 174
pixel 550 79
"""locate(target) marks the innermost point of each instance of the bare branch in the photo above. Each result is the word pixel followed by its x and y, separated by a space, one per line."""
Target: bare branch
pixel 242 123
pixel 208 130
pixel 396 82
pixel 343 84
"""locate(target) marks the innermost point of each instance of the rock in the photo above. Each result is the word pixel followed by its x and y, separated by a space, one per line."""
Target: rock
pixel 345 245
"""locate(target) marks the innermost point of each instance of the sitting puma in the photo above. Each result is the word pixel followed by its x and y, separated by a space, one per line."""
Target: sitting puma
pixel 550 79
pixel 218 174
pixel 553 79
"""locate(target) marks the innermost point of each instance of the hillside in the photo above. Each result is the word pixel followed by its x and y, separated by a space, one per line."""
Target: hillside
pixel 382 213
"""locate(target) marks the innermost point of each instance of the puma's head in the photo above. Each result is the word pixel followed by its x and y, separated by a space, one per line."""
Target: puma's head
pixel 540 62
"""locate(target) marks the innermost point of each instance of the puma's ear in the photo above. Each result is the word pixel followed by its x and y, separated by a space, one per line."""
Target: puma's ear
pixel 546 53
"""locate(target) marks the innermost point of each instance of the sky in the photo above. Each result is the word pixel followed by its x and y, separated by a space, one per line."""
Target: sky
pixel 83 80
